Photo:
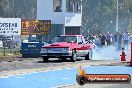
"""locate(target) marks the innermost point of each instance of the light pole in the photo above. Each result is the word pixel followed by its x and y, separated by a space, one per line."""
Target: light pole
pixel 117 4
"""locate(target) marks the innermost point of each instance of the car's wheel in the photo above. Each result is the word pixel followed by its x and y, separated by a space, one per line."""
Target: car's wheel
pixel 45 59
pixel 63 58
pixel 81 80
pixel 24 55
pixel 89 55
pixel 74 56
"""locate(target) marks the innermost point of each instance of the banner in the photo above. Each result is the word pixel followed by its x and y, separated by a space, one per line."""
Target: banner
pixel 10 26
pixel 35 27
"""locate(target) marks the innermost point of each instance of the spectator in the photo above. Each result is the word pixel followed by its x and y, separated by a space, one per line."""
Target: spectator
pixel 103 40
pixel 115 40
pixel 119 41
pixel 97 42
pixel 125 39
pixel 111 39
pixel 108 37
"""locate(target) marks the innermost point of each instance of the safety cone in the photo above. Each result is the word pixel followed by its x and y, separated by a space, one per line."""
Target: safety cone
pixel 131 55
pixel 123 56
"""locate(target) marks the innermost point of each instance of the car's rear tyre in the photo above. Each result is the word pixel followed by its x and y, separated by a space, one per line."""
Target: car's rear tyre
pixel 74 56
pixel 89 55
pixel 45 59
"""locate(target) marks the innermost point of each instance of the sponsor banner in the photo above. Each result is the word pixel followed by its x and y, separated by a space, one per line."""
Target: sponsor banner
pixel 10 26
pixel 35 27
pixel 103 78
pixel 83 78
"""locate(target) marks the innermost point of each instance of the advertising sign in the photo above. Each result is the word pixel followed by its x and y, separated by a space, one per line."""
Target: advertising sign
pixel 35 27
pixel 10 26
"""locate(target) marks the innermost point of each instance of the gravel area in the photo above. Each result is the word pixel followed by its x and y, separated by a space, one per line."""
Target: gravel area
pixel 29 63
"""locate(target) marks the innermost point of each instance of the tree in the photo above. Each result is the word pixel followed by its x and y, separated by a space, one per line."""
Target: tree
pixel 5 8
pixel 100 15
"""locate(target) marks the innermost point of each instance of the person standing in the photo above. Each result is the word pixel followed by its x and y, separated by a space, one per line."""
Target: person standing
pixel 125 39
pixel 97 42
pixel 115 40
pixel 108 39
pixel 103 39
pixel 119 41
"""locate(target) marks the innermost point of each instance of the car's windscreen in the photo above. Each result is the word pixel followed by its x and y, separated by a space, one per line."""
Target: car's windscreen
pixel 69 39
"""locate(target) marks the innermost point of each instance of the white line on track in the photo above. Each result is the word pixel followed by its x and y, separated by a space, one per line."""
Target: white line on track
pixel 64 85
pixel 39 71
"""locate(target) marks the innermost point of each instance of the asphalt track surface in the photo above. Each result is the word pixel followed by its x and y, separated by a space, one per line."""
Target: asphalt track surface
pixel 57 78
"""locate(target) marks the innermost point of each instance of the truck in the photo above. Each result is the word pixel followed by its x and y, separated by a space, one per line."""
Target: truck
pixel 31 48
pixel 67 46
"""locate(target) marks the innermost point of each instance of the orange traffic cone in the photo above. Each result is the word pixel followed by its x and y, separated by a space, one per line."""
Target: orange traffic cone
pixel 123 56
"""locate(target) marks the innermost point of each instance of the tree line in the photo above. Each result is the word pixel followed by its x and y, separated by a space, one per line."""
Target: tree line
pixel 100 15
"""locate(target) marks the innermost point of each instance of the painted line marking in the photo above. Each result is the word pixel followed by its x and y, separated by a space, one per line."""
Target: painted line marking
pixel 66 78
pixel 40 71
pixel 64 85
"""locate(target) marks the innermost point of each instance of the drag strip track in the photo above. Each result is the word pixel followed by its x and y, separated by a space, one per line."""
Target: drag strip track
pixel 57 78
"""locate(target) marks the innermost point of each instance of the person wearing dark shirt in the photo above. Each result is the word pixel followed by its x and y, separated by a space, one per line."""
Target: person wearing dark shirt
pixel 103 39
pixel 119 41
pixel 108 39
pixel 115 40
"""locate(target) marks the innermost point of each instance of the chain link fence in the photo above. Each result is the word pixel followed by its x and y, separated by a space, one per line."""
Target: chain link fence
pixel 9 52
pixel 9 46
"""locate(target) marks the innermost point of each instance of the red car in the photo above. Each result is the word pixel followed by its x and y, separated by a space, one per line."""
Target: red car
pixel 67 46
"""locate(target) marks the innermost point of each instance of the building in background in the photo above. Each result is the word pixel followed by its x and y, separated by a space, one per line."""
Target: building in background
pixel 65 16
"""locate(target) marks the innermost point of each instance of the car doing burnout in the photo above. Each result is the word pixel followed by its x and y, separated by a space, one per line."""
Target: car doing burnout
pixel 67 46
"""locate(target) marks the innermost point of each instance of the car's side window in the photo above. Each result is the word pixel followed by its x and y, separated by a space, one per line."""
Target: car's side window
pixel 80 41
pixel 83 40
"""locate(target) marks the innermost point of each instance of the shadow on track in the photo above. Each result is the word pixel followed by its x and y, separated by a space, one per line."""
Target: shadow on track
pixel 58 61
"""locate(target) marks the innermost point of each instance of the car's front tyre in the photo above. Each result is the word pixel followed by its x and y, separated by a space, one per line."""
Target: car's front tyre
pixel 74 56
pixel 45 59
